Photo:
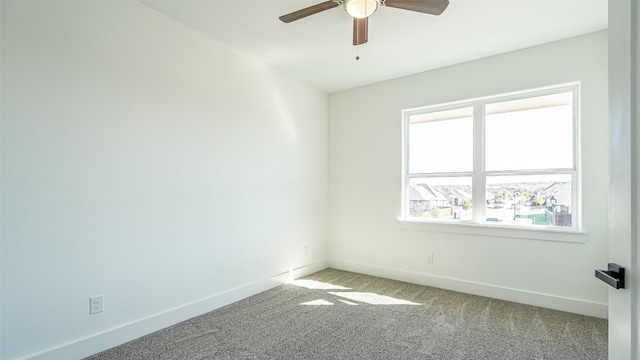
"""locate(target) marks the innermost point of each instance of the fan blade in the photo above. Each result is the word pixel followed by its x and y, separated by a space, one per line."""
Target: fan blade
pixel 297 15
pixel 433 7
pixel 360 31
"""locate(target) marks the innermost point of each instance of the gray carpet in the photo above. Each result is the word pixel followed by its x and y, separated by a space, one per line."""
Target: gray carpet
pixel 335 314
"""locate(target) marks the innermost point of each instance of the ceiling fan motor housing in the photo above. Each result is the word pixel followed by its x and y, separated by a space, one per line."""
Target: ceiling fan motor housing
pixel 360 9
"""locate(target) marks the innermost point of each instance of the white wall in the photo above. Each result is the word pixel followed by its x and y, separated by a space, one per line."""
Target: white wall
pixel 147 162
pixel 365 234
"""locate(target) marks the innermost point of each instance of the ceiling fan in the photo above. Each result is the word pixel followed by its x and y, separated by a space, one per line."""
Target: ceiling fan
pixel 360 10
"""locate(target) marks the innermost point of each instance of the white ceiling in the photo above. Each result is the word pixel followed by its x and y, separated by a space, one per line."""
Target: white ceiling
pixel 317 49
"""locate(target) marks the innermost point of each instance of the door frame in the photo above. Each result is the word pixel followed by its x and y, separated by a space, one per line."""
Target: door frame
pixel 624 159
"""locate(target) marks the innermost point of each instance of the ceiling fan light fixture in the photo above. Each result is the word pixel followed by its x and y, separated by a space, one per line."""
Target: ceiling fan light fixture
pixel 360 9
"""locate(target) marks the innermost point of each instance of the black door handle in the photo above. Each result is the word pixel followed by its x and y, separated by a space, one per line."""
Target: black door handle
pixel 614 276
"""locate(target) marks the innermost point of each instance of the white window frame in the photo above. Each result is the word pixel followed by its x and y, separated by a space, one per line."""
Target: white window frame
pixel 479 173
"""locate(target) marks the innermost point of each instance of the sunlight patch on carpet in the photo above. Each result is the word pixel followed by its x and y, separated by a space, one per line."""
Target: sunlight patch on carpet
pixel 318 302
pixel 372 298
pixel 317 285
pixel 348 302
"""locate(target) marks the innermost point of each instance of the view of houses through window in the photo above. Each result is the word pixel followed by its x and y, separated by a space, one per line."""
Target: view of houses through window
pixel 507 160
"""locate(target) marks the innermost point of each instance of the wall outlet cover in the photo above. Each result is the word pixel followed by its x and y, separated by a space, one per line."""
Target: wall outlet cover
pixel 96 304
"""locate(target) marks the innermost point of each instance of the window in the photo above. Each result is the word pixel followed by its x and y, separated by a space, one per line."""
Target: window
pixel 508 160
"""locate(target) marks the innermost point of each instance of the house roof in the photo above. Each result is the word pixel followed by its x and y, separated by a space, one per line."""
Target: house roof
pixel 561 191
pixel 425 192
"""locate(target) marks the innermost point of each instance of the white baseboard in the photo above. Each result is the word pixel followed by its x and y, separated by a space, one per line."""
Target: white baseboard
pixel 575 306
pixel 96 343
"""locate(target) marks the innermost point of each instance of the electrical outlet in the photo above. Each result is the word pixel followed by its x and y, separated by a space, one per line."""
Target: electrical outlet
pixel 429 258
pixel 96 304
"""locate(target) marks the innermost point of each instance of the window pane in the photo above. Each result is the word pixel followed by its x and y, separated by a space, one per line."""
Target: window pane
pixel 441 141
pixel 440 198
pixel 532 133
pixel 529 200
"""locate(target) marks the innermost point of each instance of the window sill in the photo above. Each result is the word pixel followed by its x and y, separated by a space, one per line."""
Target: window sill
pixel 544 234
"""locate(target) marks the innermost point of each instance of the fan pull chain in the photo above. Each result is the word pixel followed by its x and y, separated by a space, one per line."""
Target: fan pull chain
pixel 357 54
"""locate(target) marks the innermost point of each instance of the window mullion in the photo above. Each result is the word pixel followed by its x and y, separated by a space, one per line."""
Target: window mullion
pixel 479 178
pixel 435 175
pixel 576 177
pixel 404 213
